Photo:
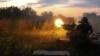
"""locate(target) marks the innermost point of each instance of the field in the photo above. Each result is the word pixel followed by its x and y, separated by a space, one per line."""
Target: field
pixel 24 43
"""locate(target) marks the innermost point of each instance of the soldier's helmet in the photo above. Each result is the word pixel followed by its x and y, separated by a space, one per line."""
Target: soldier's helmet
pixel 84 19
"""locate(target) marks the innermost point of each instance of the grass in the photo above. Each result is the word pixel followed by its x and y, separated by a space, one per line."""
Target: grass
pixel 24 43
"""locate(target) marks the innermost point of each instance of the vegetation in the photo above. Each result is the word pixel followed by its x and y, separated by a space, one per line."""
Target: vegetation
pixel 22 31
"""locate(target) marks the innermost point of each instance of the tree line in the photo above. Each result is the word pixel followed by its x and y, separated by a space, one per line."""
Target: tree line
pixel 15 12
pixel 14 17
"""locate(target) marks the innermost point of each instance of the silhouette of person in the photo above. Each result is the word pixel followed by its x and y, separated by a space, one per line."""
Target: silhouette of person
pixel 83 41
pixel 84 27
pixel 79 37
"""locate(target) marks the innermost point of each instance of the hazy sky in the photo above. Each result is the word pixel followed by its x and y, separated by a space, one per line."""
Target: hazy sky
pixel 65 7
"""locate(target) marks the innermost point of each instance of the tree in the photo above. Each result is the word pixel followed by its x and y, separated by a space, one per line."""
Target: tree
pixel 47 15
pixel 10 12
pixel 28 13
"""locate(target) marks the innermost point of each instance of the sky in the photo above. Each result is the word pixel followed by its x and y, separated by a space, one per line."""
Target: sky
pixel 65 7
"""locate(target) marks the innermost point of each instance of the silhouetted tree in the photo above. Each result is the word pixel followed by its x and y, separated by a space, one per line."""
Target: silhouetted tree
pixel 47 15
pixel 29 13
pixel 10 12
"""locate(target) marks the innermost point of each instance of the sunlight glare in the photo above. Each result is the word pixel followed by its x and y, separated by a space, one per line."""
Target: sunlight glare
pixel 59 22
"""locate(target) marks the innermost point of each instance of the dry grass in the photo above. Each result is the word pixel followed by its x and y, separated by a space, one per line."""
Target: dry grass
pixel 24 43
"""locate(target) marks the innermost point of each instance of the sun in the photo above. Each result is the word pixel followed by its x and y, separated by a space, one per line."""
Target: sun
pixel 58 22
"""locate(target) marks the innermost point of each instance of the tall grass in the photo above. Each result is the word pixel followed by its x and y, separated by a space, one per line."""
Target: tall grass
pixel 22 38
